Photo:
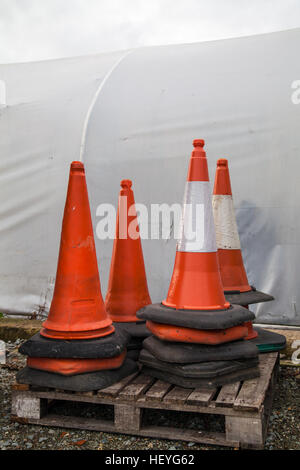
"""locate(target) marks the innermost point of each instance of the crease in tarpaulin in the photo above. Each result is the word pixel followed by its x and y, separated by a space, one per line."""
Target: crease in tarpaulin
pixel 94 101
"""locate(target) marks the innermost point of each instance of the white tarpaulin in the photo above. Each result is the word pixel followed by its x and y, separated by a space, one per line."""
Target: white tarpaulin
pixel 144 109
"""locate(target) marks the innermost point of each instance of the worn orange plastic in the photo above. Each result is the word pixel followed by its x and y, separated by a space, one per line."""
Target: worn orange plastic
pixel 127 287
pixel 196 283
pixel 198 170
pixel 232 270
pixel 233 273
pixel 191 335
pixel 75 366
pixel 77 310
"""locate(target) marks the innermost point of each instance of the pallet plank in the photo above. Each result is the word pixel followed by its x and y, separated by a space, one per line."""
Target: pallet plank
pixel 190 435
pixel 177 395
pixel 157 391
pixel 228 394
pixel 244 427
pixel 114 389
pixel 252 393
pixel 135 388
pixel 201 397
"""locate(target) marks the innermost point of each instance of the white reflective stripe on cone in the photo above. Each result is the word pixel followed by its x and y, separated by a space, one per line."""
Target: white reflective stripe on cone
pixel 197 229
pixel 227 234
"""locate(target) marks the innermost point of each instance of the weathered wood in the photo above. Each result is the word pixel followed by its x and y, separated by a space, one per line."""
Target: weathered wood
pixel 245 426
pixel 245 430
pixel 17 386
pixel 24 405
pixel 177 395
pixel 252 392
pixel 114 389
pixel 228 394
pixel 136 387
pixel 189 435
pixel 71 422
pixel 201 397
pixel 157 391
pixel 127 418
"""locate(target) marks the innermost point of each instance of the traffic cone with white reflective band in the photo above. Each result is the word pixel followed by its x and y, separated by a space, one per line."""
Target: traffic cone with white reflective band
pixel 233 274
pixel 196 282
pixel 195 309
pixel 127 287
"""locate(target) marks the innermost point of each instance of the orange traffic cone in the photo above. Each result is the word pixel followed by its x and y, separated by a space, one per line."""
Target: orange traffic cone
pixel 233 274
pixel 77 309
pixel 78 348
pixel 195 302
pixel 127 288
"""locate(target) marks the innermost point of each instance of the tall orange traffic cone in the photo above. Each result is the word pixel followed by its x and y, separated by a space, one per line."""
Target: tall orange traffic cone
pixel 127 288
pixel 233 273
pixel 77 309
pixel 195 302
pixel 94 355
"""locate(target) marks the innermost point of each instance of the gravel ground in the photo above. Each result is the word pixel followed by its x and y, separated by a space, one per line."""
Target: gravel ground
pixel 284 427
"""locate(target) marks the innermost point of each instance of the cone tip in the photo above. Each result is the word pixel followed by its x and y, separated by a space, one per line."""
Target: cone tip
pixel 77 166
pixel 198 143
pixel 222 162
pixel 126 184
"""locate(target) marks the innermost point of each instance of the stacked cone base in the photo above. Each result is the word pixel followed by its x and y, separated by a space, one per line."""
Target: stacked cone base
pixel 189 353
pixel 205 370
pixel 247 298
pixel 70 367
pixel 190 335
pixel 106 347
pixel 268 341
pixel 137 332
pixel 78 383
pixel 251 332
pixel 209 383
pixel 199 319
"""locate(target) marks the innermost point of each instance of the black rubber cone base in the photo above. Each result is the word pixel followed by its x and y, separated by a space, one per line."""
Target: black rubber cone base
pixel 105 347
pixel 135 330
pixel 76 383
pixel 183 353
pixel 202 383
pixel 134 354
pixel 205 370
pixel 268 341
pixel 198 319
pixel 135 344
pixel 247 298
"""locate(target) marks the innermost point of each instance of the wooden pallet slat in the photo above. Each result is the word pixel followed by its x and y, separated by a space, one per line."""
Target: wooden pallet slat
pixel 157 391
pixel 252 392
pixel 177 395
pixel 135 388
pixel 201 397
pixel 114 389
pixel 228 394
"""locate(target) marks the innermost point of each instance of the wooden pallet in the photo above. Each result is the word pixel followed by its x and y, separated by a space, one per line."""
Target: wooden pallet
pixel 246 407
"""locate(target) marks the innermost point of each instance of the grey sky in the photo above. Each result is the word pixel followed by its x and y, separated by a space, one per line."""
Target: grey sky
pixel 46 29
